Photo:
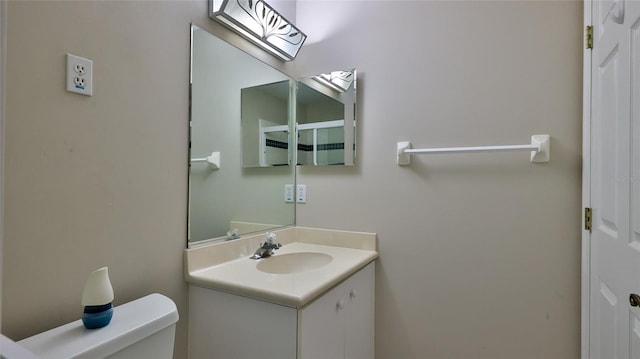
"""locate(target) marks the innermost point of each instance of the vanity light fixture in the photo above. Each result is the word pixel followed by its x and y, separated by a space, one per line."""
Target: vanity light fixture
pixel 338 80
pixel 261 24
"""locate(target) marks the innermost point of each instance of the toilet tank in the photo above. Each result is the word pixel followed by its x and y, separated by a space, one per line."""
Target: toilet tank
pixel 143 328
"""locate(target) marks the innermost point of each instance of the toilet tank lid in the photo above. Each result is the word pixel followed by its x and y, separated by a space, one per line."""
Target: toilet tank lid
pixel 131 322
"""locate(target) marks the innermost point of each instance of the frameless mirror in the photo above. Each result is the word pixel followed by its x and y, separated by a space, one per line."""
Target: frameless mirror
pixel 225 198
pixel 326 119
pixel 265 125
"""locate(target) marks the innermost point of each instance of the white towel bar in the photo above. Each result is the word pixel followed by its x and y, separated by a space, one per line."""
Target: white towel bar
pixel 213 160
pixel 539 148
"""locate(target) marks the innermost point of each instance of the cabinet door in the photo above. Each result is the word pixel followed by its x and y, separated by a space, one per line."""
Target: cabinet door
pixel 359 314
pixel 227 326
pixel 321 327
pixel 340 324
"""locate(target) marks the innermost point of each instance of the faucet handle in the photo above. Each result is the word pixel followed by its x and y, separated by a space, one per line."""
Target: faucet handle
pixel 271 237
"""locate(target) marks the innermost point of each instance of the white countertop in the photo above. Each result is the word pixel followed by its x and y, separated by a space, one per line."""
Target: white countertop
pixel 240 276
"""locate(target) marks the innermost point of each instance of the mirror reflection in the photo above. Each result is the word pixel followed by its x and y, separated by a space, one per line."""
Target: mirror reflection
pixel 265 125
pixel 233 200
pixel 326 119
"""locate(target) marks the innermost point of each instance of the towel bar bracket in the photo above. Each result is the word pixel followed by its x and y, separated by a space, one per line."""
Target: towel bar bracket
pixel 213 160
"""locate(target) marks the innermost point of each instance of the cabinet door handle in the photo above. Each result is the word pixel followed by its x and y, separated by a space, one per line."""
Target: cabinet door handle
pixel 353 294
pixel 340 304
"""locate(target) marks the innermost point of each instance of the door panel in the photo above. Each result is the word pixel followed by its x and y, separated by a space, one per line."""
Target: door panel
pixel 635 118
pixel 615 177
pixel 607 305
pixel 608 77
pixel 635 336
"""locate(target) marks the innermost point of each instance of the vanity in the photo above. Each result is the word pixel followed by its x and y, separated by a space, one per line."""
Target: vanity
pixel 314 298
pixel 251 126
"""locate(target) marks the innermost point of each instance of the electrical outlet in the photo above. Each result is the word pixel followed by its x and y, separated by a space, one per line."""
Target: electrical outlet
pixel 288 193
pixel 79 75
pixel 301 193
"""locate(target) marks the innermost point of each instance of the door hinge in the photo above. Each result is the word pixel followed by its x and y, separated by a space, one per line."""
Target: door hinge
pixel 588 40
pixel 587 219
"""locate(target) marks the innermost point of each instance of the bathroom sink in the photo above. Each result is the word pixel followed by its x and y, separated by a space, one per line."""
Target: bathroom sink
pixel 291 263
pixel 296 274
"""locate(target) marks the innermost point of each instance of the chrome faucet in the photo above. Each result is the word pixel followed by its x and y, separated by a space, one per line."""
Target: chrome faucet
pixel 266 249
pixel 232 234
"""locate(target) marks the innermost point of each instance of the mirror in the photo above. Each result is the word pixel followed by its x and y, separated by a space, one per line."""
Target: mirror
pixel 326 119
pixel 265 125
pixel 235 198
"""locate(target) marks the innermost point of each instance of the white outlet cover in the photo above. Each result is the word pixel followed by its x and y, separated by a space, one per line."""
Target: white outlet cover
pixel 301 193
pixel 288 193
pixel 79 75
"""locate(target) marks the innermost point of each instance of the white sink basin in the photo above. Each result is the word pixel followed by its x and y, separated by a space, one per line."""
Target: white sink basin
pixel 295 275
pixel 291 263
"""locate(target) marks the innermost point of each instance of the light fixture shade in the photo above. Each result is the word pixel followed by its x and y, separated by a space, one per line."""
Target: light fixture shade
pixel 97 289
pixel 337 80
pixel 261 24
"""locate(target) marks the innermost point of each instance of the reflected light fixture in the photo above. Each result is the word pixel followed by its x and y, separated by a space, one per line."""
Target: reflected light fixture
pixel 261 24
pixel 338 80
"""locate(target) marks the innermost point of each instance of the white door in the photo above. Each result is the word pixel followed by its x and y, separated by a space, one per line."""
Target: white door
pixel 614 324
pixel 3 56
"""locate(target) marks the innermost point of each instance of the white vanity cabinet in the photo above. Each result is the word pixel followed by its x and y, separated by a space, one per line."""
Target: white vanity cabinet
pixel 338 324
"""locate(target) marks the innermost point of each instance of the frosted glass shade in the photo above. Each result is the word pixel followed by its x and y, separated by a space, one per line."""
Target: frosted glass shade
pixel 337 80
pixel 261 24
pixel 97 289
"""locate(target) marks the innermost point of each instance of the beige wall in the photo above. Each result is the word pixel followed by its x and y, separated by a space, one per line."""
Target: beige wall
pixel 95 181
pixel 3 54
pixel 479 253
